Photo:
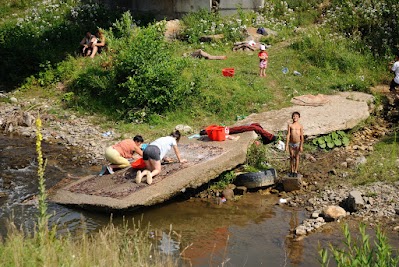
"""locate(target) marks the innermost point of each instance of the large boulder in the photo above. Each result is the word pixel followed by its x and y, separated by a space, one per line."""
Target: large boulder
pixel 333 213
pixel 355 201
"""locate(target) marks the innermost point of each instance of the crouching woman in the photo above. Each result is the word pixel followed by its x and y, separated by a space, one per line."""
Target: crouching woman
pixel 119 154
pixel 155 152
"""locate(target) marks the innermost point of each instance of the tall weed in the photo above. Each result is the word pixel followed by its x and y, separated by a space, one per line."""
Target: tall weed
pixel 333 53
pixel 360 252
pixel 201 23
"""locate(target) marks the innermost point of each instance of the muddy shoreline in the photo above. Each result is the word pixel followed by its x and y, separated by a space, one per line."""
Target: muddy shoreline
pixel 325 173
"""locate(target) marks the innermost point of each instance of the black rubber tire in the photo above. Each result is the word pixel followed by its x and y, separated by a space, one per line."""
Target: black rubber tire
pixel 256 179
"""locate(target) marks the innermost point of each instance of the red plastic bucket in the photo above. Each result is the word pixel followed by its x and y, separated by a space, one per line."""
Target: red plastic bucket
pixel 228 72
pixel 216 132
pixel 209 130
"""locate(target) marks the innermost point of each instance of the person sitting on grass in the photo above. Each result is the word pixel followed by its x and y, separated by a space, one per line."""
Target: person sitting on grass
pixel 87 44
pixel 119 154
pixel 98 46
pixel 155 152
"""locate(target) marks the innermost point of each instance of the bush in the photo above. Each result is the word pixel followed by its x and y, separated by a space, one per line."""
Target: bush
pixel 144 77
pixel 198 24
pixel 46 33
pixel 256 155
pixel 373 22
pixel 360 253
pixel 330 51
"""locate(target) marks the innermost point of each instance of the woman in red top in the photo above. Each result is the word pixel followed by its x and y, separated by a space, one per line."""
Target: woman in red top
pixel 263 56
pixel 119 153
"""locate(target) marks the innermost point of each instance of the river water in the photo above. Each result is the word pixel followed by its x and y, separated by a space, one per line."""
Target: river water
pixel 253 231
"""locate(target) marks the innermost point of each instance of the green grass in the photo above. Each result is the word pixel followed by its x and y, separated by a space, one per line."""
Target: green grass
pixel 382 163
pixel 111 246
pixel 360 251
pixel 199 94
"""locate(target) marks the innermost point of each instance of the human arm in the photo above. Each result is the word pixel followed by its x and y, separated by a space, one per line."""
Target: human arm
pixel 93 41
pixel 302 139
pixel 177 152
pixel 138 150
pixel 288 138
pixel 83 42
pixel 101 41
pixel 263 56
pixel 395 66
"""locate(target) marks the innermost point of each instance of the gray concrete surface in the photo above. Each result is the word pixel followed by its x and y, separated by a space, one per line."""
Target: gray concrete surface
pixel 120 192
pixel 344 111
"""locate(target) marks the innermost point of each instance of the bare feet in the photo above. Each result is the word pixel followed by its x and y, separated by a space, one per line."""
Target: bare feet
pixel 149 177
pixel 139 176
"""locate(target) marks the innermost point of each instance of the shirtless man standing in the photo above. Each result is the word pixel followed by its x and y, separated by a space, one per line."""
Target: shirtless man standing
pixel 294 143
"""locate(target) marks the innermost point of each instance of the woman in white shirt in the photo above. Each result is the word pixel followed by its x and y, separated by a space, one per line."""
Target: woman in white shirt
pixel 155 152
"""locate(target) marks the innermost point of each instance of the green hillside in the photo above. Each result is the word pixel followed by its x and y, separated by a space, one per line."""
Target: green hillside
pixel 142 80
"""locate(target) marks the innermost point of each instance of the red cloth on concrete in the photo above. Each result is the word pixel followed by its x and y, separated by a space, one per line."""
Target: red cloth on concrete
pixel 265 135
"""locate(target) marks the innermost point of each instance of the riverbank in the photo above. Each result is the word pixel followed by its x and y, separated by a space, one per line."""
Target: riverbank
pixel 327 175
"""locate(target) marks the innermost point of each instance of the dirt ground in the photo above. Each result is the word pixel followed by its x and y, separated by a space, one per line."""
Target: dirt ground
pixel 321 167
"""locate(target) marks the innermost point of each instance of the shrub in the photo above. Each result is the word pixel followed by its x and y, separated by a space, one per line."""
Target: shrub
pixel 198 24
pixel 45 33
pixel 330 51
pixel 143 78
pixel 334 139
pixel 256 155
pixel 360 253
pixel 373 22
pixel 224 180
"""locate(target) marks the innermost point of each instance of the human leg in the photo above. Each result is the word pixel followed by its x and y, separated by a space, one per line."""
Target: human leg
pixel 392 86
pixel 156 167
pixel 296 162
pixel 116 160
pixel 94 51
pixel 292 159
pixel 152 160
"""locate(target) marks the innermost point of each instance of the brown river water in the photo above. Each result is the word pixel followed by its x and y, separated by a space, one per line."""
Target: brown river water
pixel 253 231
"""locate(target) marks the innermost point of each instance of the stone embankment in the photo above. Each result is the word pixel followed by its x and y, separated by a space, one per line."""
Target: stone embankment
pixel 374 204
pixel 18 117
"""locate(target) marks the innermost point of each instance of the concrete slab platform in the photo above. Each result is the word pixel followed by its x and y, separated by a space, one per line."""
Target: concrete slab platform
pixel 119 191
